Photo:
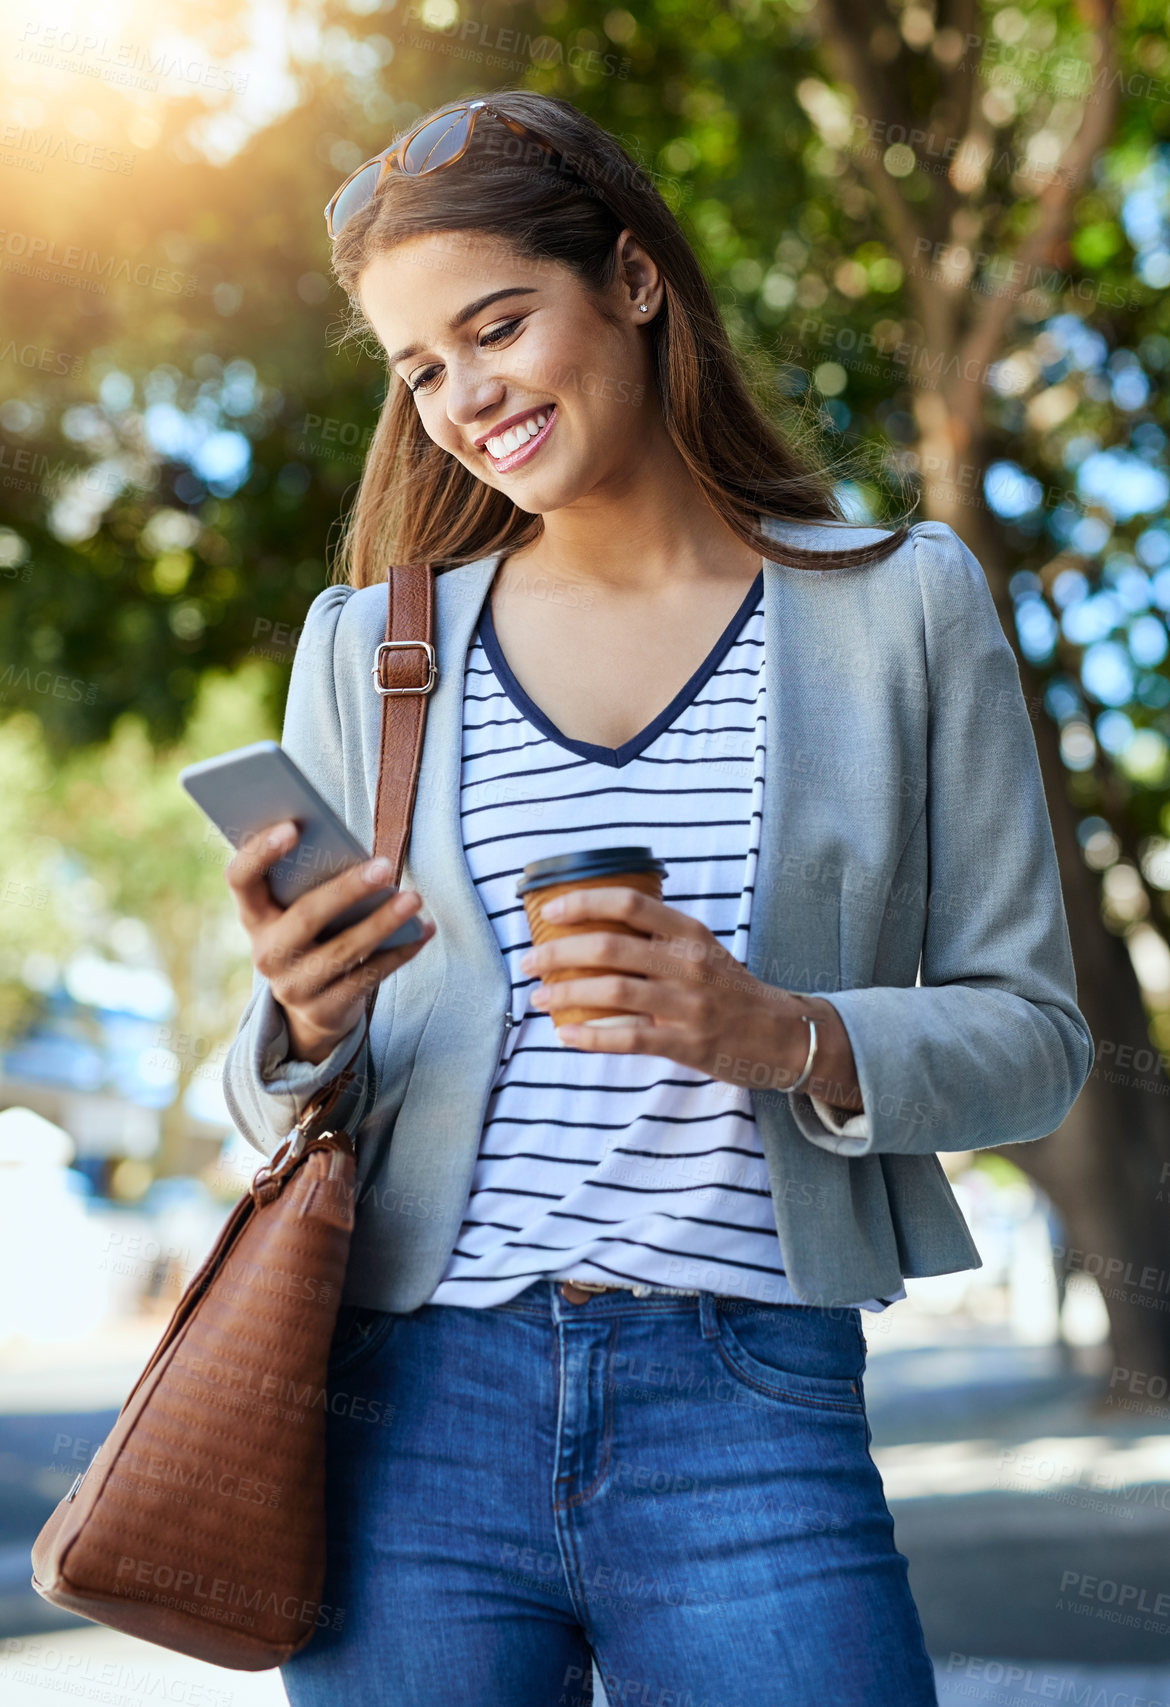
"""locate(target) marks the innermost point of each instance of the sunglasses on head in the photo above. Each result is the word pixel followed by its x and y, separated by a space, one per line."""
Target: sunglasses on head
pixel 431 145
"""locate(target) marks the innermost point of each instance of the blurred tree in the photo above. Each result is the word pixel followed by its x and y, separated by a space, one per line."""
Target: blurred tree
pixel 140 838
pixel 37 924
pixel 976 134
pixel 161 860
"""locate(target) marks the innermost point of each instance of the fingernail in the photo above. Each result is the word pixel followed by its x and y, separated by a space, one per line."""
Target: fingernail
pixel 376 870
pixel 553 909
pixel 276 836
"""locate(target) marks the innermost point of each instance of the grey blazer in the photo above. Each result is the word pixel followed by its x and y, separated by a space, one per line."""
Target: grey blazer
pixel 907 872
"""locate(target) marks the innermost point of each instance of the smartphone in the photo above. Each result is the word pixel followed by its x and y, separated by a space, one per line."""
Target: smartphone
pixel 251 787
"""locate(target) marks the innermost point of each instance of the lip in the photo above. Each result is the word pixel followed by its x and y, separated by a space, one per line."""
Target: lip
pixel 530 446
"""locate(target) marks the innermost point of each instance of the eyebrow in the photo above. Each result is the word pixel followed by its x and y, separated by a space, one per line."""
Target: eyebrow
pixel 463 316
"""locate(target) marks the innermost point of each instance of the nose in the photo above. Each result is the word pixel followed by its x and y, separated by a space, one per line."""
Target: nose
pixel 473 401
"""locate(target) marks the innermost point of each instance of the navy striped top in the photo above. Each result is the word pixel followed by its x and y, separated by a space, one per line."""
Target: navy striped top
pixel 600 1166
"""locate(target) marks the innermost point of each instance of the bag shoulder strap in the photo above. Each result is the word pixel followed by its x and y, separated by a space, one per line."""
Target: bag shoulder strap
pixel 404 670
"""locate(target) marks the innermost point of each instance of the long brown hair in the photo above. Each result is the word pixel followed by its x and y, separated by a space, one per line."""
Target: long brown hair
pixel 416 503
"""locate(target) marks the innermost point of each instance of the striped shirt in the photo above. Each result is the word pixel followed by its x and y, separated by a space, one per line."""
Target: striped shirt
pixel 627 1169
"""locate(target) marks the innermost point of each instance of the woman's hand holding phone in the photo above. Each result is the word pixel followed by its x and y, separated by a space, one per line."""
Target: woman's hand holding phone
pixel 322 987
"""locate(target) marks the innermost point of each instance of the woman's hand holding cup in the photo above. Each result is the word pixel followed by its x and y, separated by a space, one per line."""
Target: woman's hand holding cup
pixel 322 987
pixel 625 973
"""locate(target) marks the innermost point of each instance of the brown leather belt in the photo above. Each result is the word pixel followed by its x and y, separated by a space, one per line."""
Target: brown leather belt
pixel 581 1291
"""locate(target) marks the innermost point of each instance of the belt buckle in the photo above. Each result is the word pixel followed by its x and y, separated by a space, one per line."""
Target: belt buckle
pixel 568 1287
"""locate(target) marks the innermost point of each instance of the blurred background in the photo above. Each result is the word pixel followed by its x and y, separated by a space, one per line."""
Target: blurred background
pixel 940 235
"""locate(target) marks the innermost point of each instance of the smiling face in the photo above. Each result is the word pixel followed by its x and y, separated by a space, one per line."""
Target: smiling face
pixel 489 343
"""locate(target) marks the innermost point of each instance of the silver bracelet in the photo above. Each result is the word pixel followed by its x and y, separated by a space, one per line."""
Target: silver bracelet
pixel 806 1072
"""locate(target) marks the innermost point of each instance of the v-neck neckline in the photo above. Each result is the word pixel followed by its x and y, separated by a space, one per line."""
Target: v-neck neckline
pixel 616 757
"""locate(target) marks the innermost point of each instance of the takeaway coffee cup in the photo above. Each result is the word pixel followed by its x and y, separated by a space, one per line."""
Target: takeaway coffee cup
pixel 594 868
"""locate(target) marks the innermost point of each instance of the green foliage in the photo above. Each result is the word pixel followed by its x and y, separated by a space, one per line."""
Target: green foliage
pixel 998 1169
pixel 34 862
pixel 109 835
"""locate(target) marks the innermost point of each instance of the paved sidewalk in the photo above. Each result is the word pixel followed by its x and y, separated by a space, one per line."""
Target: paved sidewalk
pixel 1007 1683
pixel 87 1662
pixel 1036 1519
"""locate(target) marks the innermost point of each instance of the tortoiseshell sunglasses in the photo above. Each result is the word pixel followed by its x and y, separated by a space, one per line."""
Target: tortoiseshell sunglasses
pixel 435 143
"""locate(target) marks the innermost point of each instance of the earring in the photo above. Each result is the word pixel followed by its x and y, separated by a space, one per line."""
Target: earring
pixel 642 306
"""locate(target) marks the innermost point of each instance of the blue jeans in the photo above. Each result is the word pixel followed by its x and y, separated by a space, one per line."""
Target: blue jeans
pixel 679 1487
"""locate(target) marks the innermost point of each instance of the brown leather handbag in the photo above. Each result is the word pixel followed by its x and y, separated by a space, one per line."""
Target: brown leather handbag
pixel 199 1524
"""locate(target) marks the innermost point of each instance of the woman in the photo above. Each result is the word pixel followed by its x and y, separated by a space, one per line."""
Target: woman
pixel 596 1386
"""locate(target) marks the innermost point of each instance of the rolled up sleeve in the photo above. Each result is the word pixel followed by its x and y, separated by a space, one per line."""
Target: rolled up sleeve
pixel 990 1047
pixel 839 1121
pixel 266 1093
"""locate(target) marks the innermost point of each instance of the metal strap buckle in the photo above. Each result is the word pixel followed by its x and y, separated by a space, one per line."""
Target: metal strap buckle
pixel 398 646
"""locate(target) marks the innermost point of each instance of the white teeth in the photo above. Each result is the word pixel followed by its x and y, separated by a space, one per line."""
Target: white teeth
pixel 505 443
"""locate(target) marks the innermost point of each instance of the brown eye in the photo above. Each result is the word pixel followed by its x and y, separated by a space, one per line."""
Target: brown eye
pixel 488 338
pixel 500 332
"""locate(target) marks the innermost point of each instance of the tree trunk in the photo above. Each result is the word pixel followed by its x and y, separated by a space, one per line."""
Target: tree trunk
pixel 1107 1169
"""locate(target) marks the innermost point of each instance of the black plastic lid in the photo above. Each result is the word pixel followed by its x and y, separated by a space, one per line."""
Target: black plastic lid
pixel 588 862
